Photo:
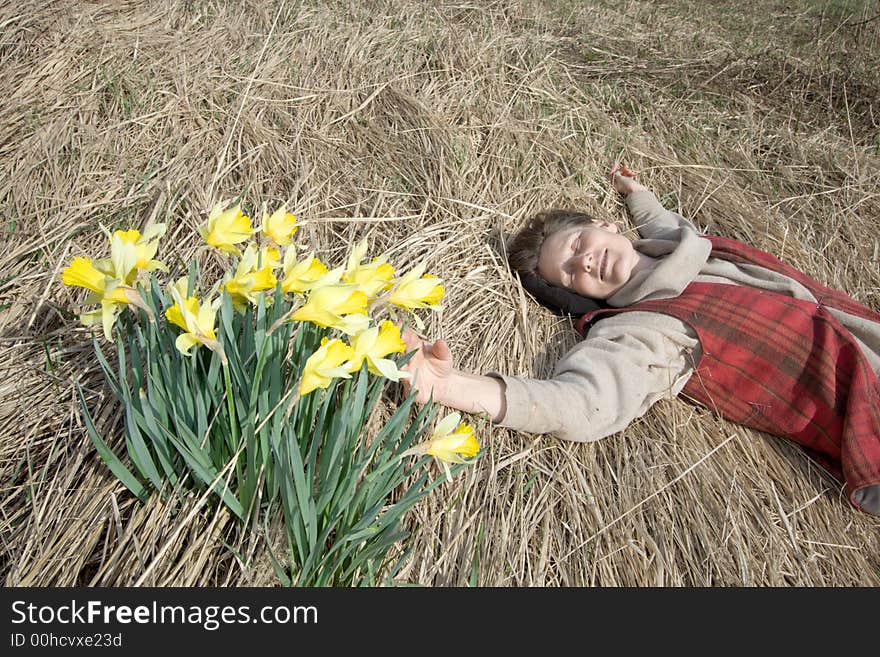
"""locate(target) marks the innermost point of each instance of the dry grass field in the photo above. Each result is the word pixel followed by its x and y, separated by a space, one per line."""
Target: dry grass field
pixel 434 129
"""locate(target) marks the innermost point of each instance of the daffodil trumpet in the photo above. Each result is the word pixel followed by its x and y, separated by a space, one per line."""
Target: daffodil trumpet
pixel 300 277
pixel 143 245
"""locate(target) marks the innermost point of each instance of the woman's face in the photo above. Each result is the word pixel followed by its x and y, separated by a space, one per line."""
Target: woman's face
pixel 592 260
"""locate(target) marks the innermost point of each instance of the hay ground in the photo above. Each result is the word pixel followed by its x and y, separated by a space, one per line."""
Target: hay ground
pixel 434 129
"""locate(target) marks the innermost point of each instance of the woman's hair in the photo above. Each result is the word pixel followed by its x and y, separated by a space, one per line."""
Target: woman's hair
pixel 525 247
pixel 523 250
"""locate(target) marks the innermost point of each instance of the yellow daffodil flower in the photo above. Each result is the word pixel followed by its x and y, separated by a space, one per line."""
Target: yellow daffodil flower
pixel 196 320
pixel 110 292
pixel 82 273
pixel 342 307
pixel 250 278
pixel 325 364
pixel 300 277
pixel 279 226
pixel 370 278
pixel 373 345
pixel 226 228
pixel 145 246
pixel 450 442
pixel 414 290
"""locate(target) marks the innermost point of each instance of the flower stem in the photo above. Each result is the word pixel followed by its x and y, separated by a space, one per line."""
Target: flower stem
pixel 230 405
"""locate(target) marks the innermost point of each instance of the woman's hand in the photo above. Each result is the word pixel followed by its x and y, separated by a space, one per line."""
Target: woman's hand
pixel 624 181
pixel 430 366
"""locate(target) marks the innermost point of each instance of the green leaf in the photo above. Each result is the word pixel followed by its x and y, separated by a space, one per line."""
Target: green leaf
pixel 108 371
pixel 207 475
pixel 116 467
pixel 138 452
pixel 303 494
pixel 280 571
pixel 474 579
pixel 293 519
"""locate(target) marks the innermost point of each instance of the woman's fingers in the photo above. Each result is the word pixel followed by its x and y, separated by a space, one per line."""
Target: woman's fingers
pixel 411 339
pixel 440 350
pixel 621 169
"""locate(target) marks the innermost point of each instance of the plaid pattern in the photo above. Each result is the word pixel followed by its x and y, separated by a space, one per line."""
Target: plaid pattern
pixel 782 365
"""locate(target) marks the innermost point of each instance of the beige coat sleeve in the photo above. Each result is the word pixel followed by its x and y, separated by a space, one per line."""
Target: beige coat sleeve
pixel 624 365
pixel 652 220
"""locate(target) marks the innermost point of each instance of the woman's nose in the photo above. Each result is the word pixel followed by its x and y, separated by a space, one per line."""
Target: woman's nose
pixel 586 261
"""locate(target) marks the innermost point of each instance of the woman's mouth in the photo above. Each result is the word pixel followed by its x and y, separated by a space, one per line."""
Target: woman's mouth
pixel 603 262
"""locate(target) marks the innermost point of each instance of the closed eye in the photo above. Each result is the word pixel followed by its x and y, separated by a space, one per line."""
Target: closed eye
pixel 575 247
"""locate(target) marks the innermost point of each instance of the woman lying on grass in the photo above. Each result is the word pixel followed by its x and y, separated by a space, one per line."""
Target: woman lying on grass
pixel 711 319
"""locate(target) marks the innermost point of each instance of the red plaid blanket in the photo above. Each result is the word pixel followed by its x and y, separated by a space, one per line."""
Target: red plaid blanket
pixel 782 365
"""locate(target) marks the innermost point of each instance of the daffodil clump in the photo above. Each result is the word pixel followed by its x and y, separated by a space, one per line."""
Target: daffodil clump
pixel 257 387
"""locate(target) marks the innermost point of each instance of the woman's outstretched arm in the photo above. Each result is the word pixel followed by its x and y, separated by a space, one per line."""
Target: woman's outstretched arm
pixel 433 374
